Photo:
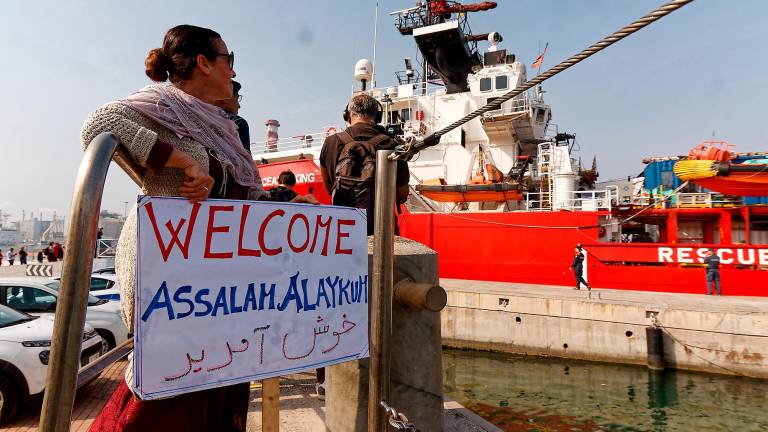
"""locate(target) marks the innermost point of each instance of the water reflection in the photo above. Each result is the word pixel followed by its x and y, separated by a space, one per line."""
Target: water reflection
pixel 534 394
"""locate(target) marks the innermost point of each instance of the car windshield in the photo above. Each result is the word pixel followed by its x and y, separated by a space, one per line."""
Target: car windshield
pixel 92 301
pixel 9 317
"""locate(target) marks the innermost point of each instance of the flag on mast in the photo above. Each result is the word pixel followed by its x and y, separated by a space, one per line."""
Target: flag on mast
pixel 540 59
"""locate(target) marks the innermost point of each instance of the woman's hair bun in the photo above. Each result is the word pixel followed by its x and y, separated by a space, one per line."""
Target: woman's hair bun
pixel 158 65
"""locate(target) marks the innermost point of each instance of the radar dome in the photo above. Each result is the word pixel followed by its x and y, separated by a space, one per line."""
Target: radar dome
pixel 363 70
pixel 494 37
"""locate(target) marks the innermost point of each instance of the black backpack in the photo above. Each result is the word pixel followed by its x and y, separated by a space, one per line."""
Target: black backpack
pixel 356 172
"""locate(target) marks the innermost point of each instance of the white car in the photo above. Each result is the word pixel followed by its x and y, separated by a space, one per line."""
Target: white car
pixel 103 286
pixel 25 343
pixel 37 296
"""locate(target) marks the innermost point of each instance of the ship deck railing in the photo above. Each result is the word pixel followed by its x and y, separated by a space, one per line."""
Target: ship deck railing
pixel 684 200
pixel 590 200
pixel 407 20
pixel 519 104
pixel 296 143
pixel 406 90
pixel 695 200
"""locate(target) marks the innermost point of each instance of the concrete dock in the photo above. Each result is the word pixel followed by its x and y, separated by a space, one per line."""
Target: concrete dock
pixel 705 333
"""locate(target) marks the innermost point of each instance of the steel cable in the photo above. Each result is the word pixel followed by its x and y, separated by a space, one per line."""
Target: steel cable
pixel 406 151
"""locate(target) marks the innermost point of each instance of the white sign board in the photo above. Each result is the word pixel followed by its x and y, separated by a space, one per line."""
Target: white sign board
pixel 234 291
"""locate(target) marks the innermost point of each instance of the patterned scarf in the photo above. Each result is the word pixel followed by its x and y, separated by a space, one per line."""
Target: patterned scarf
pixel 188 116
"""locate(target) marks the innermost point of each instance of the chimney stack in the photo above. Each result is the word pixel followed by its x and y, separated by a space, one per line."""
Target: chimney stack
pixel 272 136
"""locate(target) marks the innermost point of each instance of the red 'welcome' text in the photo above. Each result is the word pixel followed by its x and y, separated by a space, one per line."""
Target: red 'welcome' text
pixel 236 230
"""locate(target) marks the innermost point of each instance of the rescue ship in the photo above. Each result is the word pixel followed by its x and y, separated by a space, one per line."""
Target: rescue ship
pixel 503 198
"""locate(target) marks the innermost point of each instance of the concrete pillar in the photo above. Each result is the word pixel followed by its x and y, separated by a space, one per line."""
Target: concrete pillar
pixel 417 371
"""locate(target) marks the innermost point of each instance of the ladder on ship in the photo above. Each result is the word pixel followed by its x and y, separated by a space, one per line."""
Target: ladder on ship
pixel 544 166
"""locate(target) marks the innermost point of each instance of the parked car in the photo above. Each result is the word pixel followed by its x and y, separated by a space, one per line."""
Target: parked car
pixel 103 286
pixel 37 296
pixel 25 343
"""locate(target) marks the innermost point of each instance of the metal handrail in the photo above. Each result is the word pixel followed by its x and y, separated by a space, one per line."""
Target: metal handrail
pixel 95 368
pixel 61 382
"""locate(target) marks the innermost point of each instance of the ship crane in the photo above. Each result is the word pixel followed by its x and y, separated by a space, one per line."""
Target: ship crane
pixel 446 44
pixel 407 151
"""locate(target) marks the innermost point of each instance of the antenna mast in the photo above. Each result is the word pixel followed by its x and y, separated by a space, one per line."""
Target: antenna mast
pixel 375 34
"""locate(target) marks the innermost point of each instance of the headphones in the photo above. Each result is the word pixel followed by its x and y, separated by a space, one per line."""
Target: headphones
pixel 379 113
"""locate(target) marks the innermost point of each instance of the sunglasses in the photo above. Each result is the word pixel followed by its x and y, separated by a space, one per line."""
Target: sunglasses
pixel 231 57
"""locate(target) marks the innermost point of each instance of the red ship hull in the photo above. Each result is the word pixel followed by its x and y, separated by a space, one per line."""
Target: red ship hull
pixel 537 248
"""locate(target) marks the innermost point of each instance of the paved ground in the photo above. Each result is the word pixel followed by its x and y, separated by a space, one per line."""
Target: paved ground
pixel 88 404
pixel 20 270
pixel 300 409
pixel 698 302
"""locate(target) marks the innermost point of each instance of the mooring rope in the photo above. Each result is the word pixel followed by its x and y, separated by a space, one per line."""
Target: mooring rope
pixel 406 151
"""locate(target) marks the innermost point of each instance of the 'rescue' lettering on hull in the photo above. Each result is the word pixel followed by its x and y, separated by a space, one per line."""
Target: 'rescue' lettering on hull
pixel 692 255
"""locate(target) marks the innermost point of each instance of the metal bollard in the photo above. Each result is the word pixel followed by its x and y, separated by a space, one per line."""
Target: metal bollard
pixel 381 290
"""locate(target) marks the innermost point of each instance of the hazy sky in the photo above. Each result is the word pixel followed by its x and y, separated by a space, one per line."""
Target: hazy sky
pixel 660 92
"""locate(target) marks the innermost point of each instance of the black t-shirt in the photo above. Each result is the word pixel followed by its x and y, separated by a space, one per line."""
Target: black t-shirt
pixel 242 130
pixel 329 154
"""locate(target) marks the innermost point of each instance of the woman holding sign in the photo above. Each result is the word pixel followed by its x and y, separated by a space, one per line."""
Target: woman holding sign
pixel 192 150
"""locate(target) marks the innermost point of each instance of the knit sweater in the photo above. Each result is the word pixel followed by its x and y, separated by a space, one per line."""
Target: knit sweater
pixel 139 135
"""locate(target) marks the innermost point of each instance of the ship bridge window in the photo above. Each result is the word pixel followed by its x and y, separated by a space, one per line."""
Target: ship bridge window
pixel 405 114
pixel 501 82
pixel 485 84
pixel 540 113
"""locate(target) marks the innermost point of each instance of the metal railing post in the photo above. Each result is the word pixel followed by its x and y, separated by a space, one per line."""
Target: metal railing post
pixel 381 291
pixel 61 382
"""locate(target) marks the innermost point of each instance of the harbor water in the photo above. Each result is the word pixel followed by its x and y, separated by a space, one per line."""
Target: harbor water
pixel 523 393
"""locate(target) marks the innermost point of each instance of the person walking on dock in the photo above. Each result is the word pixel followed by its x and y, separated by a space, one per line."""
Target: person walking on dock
pixel 11 256
pixel 50 255
pixel 578 269
pixel 22 256
pixel 712 261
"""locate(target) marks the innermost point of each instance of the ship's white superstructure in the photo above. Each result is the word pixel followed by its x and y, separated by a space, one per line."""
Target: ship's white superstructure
pixel 516 144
